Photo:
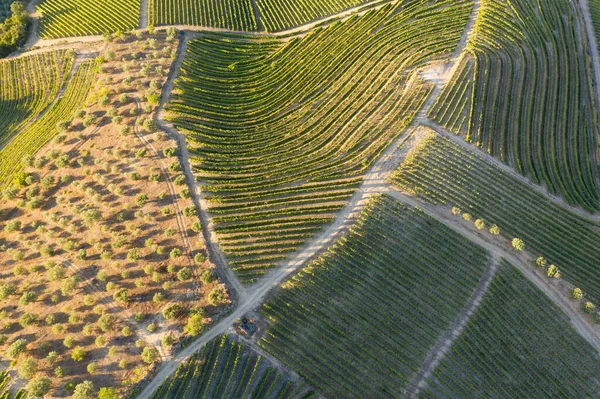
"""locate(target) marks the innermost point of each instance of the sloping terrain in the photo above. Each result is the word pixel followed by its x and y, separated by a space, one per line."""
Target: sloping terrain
pixel 518 345
pixel 359 321
pixel 524 93
pixel 280 139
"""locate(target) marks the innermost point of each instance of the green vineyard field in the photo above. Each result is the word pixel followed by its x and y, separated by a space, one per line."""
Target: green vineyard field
pixel 358 322
pixel 280 139
pixel 445 173
pixel 224 368
pixel 34 136
pixel 225 14
pixel 524 93
pixel 27 86
pixel 66 18
pixel 517 345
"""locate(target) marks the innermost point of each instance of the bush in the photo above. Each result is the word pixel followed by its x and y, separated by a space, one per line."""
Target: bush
pixel 588 307
pixel 85 390
pixel 176 253
pixel 90 120
pixel 13 30
pixel 149 354
pixel 194 325
pixel 541 262
pixel 172 311
pixel 518 244
pixel 197 227
pixel 577 293
pixel 78 354
pixel 216 296
pixel 39 386
pixel 184 274
pixel 27 368
pixel 106 322
pixel 480 224
pixel 16 348
pixel 190 211
pixel 208 277
pixel 27 319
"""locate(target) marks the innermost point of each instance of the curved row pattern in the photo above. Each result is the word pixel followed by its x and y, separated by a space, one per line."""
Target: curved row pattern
pixel 34 136
pixel 282 133
pixel 523 93
pixel 27 86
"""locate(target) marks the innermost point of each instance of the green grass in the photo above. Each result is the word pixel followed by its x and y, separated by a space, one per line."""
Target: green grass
pixel 282 133
pixel 225 368
pixel 524 94
pixel 359 321
pixel 518 344
pixel 66 18
pixel 444 173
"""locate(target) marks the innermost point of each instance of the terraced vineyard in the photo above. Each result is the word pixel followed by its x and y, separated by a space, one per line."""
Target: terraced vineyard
pixel 229 14
pixel 523 93
pixel 34 136
pixel 359 321
pixel 518 345
pixel 225 368
pixel 445 173
pixel 279 15
pixel 27 86
pixel 280 139
pixel 66 18
pixel 595 13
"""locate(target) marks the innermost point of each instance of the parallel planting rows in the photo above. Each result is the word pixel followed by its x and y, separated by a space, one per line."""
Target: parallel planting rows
pixel 27 86
pixel 523 93
pixel 281 134
pixel 5 383
pixel 359 321
pixel 445 173
pixel 224 14
pixel 518 345
pixel 279 15
pixel 66 18
pixel 34 136
pixel 224 368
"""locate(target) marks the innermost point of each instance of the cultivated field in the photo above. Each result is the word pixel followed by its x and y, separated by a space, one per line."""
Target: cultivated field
pixel 65 18
pixel 445 173
pixel 225 368
pixel 359 321
pixel 253 108
pixel 518 344
pixel 230 14
pixel 27 86
pixel 523 93
pixel 299 199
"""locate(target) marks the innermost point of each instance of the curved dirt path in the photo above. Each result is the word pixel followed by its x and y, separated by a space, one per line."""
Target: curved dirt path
pixel 439 350
pixel 496 249
pixel 236 291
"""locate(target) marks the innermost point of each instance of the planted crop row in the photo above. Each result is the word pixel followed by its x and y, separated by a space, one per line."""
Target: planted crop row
pixel 359 321
pixel 34 136
pixel 281 133
pixel 445 173
pixel 279 15
pixel 228 14
pixel 5 383
pixel 523 93
pixel 27 86
pixel 65 18
pixel 519 344
pixel 225 368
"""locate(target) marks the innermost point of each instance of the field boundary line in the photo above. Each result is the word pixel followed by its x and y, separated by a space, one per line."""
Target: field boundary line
pixel 445 342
